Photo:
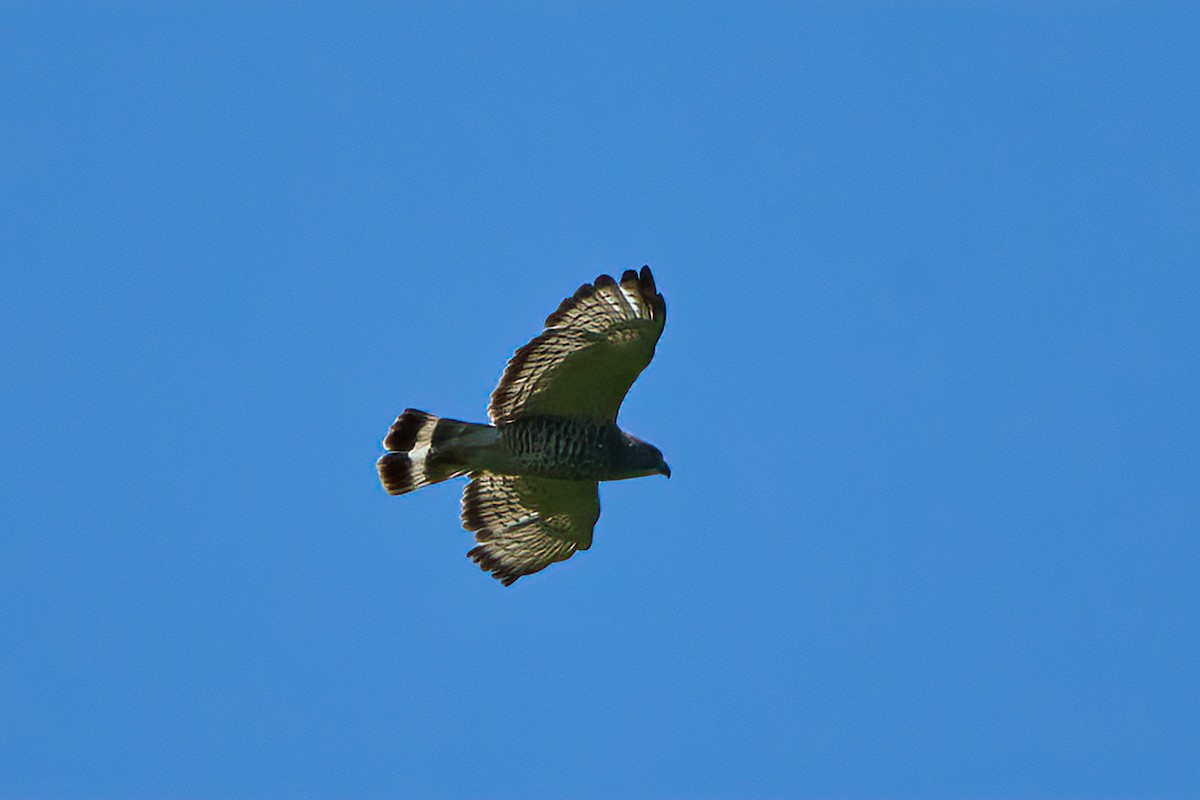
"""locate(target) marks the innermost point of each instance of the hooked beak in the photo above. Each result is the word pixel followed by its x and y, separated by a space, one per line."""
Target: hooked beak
pixel 663 469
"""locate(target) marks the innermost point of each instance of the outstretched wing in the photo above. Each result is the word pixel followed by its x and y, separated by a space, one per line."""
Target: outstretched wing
pixel 525 524
pixel 594 346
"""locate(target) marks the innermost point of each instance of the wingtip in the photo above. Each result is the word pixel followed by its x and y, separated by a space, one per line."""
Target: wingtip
pixel 491 565
pixel 646 278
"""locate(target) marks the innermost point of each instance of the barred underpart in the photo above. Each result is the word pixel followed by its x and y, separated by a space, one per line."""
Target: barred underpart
pixel 557 447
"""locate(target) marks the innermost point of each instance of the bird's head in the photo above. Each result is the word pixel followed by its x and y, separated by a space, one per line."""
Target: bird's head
pixel 639 458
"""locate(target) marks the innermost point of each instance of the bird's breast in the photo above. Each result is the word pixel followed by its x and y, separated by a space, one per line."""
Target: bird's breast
pixel 560 447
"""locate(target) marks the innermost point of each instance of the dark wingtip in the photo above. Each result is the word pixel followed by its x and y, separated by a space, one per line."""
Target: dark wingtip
pixel 646 278
pixel 487 563
pixel 644 281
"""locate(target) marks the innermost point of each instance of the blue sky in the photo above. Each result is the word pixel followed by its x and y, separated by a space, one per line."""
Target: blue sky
pixel 928 387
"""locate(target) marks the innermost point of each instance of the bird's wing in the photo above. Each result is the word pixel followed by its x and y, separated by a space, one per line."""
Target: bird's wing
pixel 593 348
pixel 525 524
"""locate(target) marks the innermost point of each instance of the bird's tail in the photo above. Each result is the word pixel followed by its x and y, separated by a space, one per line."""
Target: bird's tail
pixel 425 449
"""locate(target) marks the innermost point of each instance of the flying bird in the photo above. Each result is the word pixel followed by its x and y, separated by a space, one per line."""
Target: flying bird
pixel 533 497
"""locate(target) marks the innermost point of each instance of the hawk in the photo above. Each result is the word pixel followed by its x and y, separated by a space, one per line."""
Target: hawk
pixel 533 497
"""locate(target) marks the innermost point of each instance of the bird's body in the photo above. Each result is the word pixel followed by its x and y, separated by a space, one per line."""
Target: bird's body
pixel 568 449
pixel 533 499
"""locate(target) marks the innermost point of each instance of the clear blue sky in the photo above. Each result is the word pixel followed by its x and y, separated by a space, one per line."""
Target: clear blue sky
pixel 929 390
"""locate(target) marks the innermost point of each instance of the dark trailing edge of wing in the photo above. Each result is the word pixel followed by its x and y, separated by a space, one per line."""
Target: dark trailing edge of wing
pixel 473 521
pixel 471 518
pixel 489 563
pixel 644 282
